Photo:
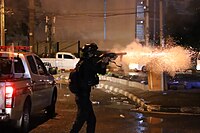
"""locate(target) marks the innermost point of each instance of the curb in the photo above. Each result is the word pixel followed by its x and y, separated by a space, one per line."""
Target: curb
pixel 124 82
pixel 143 107
pixel 138 101
pixel 155 109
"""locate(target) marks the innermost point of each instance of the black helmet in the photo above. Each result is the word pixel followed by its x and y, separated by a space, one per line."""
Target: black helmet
pixel 92 47
pixel 89 50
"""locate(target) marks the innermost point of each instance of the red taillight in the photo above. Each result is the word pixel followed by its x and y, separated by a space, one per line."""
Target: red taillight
pixel 9 96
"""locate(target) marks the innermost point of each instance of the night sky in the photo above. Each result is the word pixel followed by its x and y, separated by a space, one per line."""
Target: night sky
pixel 83 20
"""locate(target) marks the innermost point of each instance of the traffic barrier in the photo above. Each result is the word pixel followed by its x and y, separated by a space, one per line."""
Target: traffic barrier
pixel 124 82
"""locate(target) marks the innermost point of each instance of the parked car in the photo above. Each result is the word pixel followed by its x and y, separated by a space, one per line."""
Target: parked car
pixel 137 67
pixel 184 81
pixel 62 61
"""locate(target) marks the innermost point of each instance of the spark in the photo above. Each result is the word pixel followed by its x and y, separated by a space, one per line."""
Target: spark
pixel 156 59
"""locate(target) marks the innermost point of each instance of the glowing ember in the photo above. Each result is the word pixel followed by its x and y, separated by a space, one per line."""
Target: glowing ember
pixel 158 60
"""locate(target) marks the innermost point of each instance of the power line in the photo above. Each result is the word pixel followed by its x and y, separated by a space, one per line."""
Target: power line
pixel 109 13
pixel 70 45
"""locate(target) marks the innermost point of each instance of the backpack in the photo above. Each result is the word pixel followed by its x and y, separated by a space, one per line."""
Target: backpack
pixel 74 79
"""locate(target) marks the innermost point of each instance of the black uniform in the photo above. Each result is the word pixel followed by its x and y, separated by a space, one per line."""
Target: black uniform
pixel 88 72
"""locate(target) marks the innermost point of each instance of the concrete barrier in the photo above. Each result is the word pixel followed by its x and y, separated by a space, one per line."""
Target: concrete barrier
pixel 124 82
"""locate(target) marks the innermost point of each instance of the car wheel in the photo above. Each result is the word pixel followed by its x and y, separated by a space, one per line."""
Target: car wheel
pixel 144 69
pixel 51 110
pixel 23 126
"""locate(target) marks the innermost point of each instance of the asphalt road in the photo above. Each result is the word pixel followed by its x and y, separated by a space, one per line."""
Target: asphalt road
pixel 114 114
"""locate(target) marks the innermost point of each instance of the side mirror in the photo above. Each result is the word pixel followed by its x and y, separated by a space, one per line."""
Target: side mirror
pixel 53 70
pixel 41 72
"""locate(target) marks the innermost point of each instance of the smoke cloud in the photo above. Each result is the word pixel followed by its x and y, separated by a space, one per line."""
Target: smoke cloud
pixel 156 59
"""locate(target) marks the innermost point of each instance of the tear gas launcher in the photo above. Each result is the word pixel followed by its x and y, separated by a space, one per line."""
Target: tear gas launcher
pixel 110 57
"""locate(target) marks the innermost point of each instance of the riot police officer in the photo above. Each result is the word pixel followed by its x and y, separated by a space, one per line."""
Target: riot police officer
pixel 90 66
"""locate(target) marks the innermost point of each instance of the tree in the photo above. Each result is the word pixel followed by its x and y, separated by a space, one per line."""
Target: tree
pixel 17 18
pixel 176 25
pixel 194 9
pixel 184 28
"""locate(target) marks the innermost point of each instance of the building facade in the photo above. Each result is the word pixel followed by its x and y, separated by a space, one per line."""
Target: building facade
pixel 154 11
pixel 110 22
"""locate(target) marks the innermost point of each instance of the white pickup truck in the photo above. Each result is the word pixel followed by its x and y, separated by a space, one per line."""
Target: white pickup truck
pixel 63 61
pixel 26 87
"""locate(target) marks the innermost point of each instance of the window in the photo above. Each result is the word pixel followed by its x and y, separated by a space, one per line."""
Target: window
pixel 40 65
pixel 5 66
pixel 68 56
pixel 7 63
pixel 140 11
pixel 140 31
pixel 59 55
pixel 19 67
pixel 32 64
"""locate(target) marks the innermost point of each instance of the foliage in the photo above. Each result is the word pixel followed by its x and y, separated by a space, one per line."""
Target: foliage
pixel 17 20
pixel 184 28
pixel 194 9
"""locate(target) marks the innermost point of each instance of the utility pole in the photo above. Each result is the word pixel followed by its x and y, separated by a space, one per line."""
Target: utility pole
pixel 2 23
pixel 105 3
pixel 147 23
pixel 154 22
pixel 53 31
pixel 31 24
pixel 50 31
pixel 161 22
pixel 79 49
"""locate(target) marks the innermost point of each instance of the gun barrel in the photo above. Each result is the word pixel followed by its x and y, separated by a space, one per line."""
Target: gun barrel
pixel 113 55
pixel 122 53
